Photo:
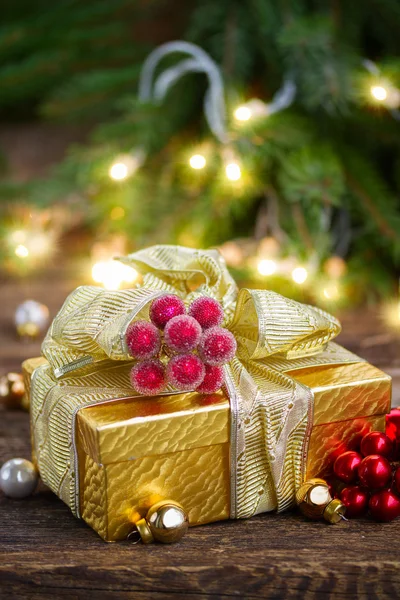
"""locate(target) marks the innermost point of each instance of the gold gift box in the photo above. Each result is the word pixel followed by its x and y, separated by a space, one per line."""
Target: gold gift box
pixel 133 452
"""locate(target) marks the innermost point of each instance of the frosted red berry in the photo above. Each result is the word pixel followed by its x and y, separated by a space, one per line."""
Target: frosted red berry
pixel 213 380
pixel 166 307
pixel 217 346
pixel 207 311
pixel 182 333
pixel 143 340
pixel 148 377
pixel 185 371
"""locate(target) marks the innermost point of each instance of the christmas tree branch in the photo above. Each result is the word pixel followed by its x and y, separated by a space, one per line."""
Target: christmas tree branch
pixel 381 223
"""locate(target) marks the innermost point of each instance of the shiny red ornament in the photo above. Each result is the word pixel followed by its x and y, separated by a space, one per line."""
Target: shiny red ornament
pixel 182 333
pixel 217 346
pixel 164 308
pixel 396 480
pixel 355 499
pixel 213 380
pixel 148 377
pixel 375 472
pixel 393 430
pixel 207 311
pixel 185 371
pixel 143 340
pixel 384 506
pixel 346 466
pixel 376 442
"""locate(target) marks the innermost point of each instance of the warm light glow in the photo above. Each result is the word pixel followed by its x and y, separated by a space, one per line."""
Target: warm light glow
pixel 117 213
pixel 118 171
pixel 21 251
pixel 242 113
pixel 232 253
pixel 267 267
pixel 299 275
pixel 112 274
pixel 233 171
pixel 18 236
pixel 391 314
pixel 197 161
pixel 379 92
pixel 331 291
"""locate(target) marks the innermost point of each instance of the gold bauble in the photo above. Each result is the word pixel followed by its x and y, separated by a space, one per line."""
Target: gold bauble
pixel 315 501
pixel 12 390
pixel 165 522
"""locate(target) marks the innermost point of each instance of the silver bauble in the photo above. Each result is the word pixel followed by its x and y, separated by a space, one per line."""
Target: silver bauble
pixel 18 478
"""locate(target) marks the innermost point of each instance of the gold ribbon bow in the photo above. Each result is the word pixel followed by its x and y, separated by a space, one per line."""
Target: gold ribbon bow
pixel 271 412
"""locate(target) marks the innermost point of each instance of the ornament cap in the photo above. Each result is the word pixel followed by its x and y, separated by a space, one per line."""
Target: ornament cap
pixel 334 511
pixel 144 531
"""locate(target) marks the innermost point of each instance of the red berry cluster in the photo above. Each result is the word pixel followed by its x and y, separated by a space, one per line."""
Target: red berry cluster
pixel 375 482
pixel 198 344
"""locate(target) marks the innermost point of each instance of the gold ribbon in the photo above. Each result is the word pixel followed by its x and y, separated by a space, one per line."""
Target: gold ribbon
pixel 271 411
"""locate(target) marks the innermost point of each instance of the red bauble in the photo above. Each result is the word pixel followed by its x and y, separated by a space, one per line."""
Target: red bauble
pixel 185 371
pixel 143 340
pixel 376 442
pixel 165 308
pixel 148 377
pixel 217 346
pixel 213 380
pixel 346 466
pixel 393 430
pixel 182 333
pixel 355 499
pixel 374 472
pixel 207 311
pixel 384 506
pixel 396 480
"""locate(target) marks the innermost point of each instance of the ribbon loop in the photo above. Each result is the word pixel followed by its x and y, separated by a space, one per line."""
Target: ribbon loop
pixel 178 267
pixel 266 323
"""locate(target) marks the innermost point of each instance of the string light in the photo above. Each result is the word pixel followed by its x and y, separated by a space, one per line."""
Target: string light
pixel 126 165
pixel 197 161
pixel 299 275
pixel 118 171
pixel 242 113
pixel 379 92
pixel 267 267
pixel 21 251
pixel 112 274
pixel 233 171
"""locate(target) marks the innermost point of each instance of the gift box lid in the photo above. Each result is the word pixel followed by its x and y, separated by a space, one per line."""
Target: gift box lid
pixel 130 428
pixel 347 391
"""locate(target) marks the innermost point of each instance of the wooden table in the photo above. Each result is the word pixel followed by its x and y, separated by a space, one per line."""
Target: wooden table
pixel 46 552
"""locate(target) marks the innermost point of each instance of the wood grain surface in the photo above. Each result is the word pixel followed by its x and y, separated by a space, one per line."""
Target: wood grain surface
pixel 46 553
